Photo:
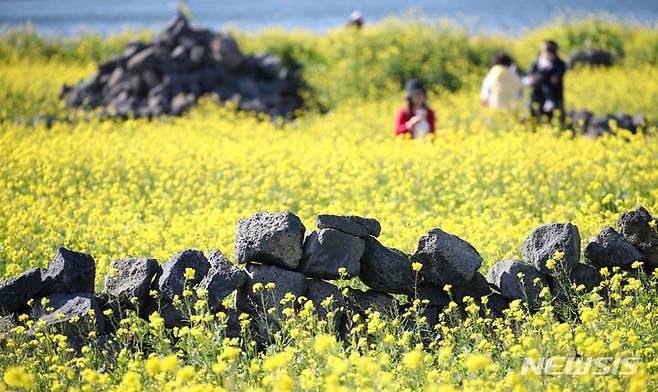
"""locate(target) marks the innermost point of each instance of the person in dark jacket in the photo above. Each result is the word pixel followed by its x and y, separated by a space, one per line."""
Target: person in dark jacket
pixel 415 119
pixel 546 80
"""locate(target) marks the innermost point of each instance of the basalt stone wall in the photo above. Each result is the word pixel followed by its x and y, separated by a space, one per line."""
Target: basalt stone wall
pixel 280 257
pixel 179 65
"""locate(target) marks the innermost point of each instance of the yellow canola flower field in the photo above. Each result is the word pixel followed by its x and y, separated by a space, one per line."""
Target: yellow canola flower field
pixel 150 188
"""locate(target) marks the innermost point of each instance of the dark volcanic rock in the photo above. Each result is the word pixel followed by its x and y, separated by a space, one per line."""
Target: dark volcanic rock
pixel 586 275
pixel 446 259
pixel 190 62
pixel 257 303
pixel 591 57
pixel 609 249
pixel 505 276
pixel 496 305
pixel 222 279
pixel 70 315
pixel 172 315
pixel 432 293
pixel 68 272
pixel 326 298
pixel 328 250
pixel 353 225
pixel 15 292
pixel 546 240
pixel 131 278
pixel 271 239
pixel 172 282
pixel 635 227
pixel 360 301
pixel 475 288
pixel 260 301
pixel 385 269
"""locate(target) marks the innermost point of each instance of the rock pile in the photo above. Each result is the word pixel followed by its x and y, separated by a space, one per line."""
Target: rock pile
pixel 591 57
pixel 593 126
pixel 179 65
pixel 281 260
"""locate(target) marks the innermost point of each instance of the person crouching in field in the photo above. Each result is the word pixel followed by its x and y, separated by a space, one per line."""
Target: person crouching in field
pixel 546 78
pixel 502 87
pixel 415 119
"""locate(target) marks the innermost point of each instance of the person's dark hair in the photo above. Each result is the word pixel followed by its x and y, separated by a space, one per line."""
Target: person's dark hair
pixel 550 46
pixel 412 87
pixel 501 58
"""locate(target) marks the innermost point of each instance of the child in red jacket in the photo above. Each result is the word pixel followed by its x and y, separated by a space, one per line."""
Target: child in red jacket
pixel 416 119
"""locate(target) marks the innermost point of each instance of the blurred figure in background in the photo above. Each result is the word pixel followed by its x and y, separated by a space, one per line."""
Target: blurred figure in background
pixel 502 87
pixel 546 79
pixel 415 119
pixel 356 20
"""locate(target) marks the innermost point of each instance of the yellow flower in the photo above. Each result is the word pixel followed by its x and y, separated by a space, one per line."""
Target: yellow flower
pixel 189 273
pixel 413 359
pixel 19 378
pixel 156 321
pixel 168 363
pixel 416 266
pixel 324 344
pixel 476 362
pixel 186 373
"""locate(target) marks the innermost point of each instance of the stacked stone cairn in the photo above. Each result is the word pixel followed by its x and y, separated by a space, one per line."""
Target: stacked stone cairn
pixel 179 65
pixel 281 257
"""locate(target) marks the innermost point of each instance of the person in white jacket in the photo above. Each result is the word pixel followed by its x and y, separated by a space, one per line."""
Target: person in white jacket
pixel 502 87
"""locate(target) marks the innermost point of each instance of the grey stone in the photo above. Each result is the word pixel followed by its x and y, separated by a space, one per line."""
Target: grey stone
pixel 353 225
pixel 143 60
pixel 172 282
pixel 586 275
pixel 386 269
pixel 328 250
pixel 225 49
pixel 592 57
pixel 266 324
pixel 68 272
pixel 475 288
pixel 634 226
pixel 131 277
pixel 261 301
pixel 496 306
pixel 173 316
pixel 119 310
pixel 233 327
pixel 432 293
pixel 270 239
pixel 446 258
pixel 70 314
pixel 544 241
pixel 222 279
pixel 15 292
pixel 181 103
pixel 504 275
pixel 610 249
pixel 318 291
pixel 360 301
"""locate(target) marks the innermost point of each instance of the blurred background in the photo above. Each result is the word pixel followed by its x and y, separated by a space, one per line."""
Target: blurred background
pixel 514 16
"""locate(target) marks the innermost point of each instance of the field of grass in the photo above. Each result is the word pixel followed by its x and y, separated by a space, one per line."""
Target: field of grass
pixel 150 188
